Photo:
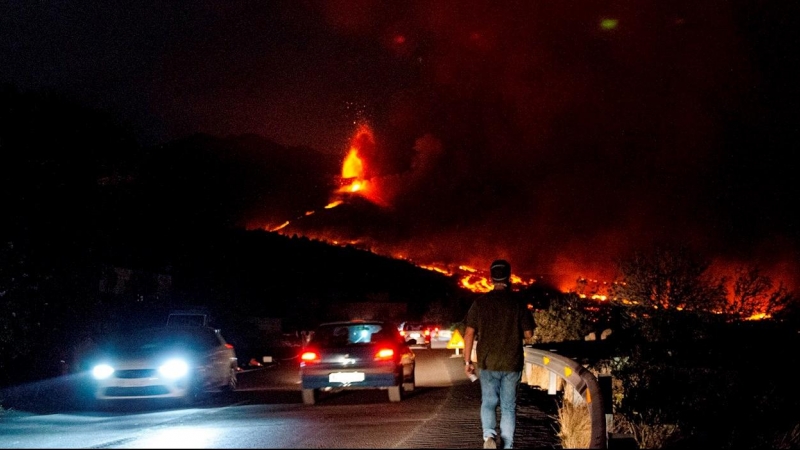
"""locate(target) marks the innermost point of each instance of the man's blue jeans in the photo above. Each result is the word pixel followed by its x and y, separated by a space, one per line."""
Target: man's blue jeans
pixel 499 387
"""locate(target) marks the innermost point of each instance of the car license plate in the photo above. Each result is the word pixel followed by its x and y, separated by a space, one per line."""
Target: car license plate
pixel 133 382
pixel 346 377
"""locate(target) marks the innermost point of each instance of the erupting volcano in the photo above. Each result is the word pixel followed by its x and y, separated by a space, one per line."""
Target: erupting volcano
pixel 365 211
pixel 359 182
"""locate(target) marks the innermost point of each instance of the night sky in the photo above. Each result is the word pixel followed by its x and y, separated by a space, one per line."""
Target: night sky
pixel 556 134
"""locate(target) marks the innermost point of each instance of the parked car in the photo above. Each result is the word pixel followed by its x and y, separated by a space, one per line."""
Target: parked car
pixel 357 355
pixel 179 362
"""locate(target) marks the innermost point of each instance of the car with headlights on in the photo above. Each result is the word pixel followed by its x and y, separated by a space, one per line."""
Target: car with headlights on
pixel 357 354
pixel 172 362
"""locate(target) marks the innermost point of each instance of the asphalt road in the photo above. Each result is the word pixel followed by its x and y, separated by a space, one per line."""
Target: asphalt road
pixel 267 412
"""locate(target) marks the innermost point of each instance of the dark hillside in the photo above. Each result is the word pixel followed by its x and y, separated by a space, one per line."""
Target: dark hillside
pixel 205 184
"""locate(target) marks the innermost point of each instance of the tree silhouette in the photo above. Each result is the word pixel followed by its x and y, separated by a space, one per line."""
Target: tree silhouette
pixel 668 277
pixel 754 294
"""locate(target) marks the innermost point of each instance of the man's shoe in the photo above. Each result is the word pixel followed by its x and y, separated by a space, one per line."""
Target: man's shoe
pixel 489 442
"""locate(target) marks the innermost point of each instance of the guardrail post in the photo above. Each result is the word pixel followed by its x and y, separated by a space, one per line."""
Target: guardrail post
pixel 606 388
pixel 552 385
pixel 528 372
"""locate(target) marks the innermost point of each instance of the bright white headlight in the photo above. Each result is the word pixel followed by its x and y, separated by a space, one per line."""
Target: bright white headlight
pixel 102 371
pixel 174 368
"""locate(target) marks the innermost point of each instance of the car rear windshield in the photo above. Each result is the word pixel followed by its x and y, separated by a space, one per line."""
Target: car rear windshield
pixel 345 335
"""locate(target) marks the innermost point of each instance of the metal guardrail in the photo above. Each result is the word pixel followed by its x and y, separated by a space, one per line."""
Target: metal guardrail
pixel 584 383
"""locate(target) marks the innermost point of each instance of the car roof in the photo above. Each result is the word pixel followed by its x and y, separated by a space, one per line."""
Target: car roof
pixel 168 330
pixel 167 333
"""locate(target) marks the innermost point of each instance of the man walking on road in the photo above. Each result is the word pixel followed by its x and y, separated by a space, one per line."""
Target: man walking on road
pixel 501 324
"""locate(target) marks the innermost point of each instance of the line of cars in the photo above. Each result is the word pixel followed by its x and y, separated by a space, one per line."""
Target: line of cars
pixel 421 333
pixel 185 361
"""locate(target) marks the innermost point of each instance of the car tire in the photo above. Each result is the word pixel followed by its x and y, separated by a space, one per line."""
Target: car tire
pixel 99 405
pixel 195 395
pixel 309 396
pixel 396 393
pixel 233 382
pixel 409 386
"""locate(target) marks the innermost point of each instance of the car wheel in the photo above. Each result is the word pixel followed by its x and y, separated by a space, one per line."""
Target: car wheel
pixel 309 396
pixel 396 393
pixel 232 381
pixel 99 405
pixel 409 386
pixel 195 394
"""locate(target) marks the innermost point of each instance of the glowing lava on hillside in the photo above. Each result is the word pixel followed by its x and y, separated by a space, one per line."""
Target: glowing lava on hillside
pixel 363 212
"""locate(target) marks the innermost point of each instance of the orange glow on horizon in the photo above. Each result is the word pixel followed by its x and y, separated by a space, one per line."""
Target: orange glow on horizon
pixel 471 279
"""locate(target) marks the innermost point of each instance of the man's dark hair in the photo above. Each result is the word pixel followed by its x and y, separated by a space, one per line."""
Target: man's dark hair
pixel 501 270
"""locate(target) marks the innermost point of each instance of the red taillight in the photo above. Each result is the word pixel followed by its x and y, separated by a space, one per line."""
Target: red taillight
pixel 427 332
pixel 309 356
pixel 229 346
pixel 384 354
